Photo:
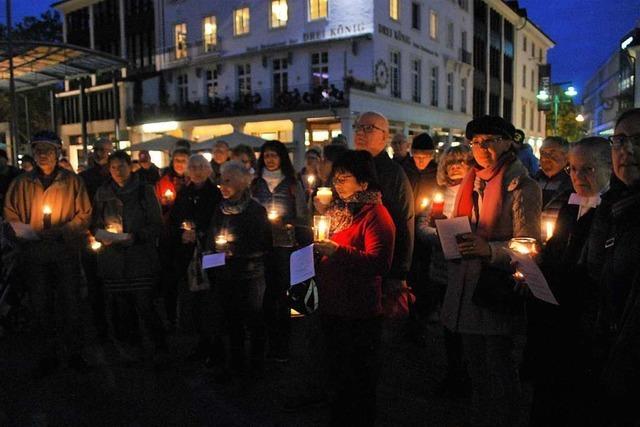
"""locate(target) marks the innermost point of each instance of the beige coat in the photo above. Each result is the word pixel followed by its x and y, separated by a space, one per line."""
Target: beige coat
pixel 520 217
pixel 66 196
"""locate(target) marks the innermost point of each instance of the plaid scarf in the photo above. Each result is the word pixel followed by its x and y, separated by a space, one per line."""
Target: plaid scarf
pixel 342 212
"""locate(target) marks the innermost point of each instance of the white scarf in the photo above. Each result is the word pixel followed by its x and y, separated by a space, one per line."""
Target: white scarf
pixel 584 203
pixel 273 178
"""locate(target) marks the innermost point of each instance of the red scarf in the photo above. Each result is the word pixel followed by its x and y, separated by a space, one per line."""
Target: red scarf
pixel 492 195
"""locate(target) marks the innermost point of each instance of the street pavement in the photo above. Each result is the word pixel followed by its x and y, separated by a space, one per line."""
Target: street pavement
pixel 185 394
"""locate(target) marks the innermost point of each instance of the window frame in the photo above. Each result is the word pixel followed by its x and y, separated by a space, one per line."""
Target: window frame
pixel 319 4
pixel 210 45
pixel 280 24
pixel 246 30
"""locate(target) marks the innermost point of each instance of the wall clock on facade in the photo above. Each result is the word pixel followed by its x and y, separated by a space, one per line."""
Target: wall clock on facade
pixel 382 74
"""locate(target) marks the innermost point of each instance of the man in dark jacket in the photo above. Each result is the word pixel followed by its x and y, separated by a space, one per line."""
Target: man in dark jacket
pixel 554 181
pixel 400 147
pixel 53 203
pixel 98 174
pixel 148 172
pixel 371 134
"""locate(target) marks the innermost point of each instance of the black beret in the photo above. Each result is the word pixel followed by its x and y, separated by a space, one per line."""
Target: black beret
pixel 422 142
pixel 490 125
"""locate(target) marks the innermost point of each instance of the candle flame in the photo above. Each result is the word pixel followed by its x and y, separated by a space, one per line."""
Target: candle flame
pixel 273 214
pixel 95 245
pixel 550 228
pixel 46 210
pixel 221 239
pixel 168 194
pixel 424 203
pixel 311 179
pixel 438 198
pixel 518 275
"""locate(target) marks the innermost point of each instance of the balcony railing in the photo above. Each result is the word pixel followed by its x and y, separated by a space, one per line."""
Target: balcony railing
pixel 294 98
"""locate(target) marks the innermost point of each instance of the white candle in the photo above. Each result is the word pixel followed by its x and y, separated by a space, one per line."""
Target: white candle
pixel 321 225
pixel 324 195
pixel 549 228
pixel 46 219
pixel 272 214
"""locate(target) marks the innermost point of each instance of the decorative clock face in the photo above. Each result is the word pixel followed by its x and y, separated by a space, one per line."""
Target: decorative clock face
pixel 382 74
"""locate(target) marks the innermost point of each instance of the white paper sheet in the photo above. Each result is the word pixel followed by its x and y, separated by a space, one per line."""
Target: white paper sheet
pixel 447 231
pixel 24 231
pixel 301 265
pixel 213 260
pixel 534 278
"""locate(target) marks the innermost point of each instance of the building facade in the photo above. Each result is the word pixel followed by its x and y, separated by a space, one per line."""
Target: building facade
pixel 508 51
pixel 614 86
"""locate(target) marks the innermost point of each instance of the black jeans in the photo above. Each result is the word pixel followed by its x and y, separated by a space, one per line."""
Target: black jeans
pixel 140 301
pixel 276 304
pixel 353 359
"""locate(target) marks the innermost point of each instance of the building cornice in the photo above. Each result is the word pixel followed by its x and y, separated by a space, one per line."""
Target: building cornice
pixel 67 6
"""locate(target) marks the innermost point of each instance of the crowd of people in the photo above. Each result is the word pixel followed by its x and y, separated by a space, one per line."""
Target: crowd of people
pixel 135 244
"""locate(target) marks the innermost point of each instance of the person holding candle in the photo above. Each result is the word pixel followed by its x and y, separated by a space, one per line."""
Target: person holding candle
pixel 558 352
pixel 421 170
pixel 553 180
pixel 612 258
pixel 501 202
pixel 241 230
pixel 167 189
pixel 354 261
pixel 189 222
pixel 128 260
pixel 282 195
pixel 55 257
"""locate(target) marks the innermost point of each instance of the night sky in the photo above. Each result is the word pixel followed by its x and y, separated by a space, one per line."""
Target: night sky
pixel 586 32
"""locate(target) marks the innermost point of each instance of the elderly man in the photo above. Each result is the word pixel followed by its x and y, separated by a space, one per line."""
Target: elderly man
pixel 400 147
pixel 51 203
pixel 220 155
pixel 371 134
pixel 552 177
pixel 558 352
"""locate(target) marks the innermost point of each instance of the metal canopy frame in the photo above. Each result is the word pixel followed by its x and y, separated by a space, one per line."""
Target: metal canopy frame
pixel 37 64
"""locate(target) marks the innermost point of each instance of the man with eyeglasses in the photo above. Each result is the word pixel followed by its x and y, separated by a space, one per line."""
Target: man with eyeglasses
pixel 558 355
pixel 53 203
pixel 371 134
pixel 613 258
pixel 400 147
pixel 552 178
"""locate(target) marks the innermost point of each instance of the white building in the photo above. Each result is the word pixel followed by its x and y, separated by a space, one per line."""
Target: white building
pixel 302 70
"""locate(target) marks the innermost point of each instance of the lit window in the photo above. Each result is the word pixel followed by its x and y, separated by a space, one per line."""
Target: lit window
pixel 394 9
pixel 180 34
pixel 433 24
pixel 210 33
pixel 241 21
pixel 318 9
pixel 279 13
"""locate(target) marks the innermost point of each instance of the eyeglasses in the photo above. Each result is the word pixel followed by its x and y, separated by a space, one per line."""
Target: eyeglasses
pixel 587 170
pixel 486 142
pixel 339 180
pixel 618 141
pixel 366 128
pixel 549 154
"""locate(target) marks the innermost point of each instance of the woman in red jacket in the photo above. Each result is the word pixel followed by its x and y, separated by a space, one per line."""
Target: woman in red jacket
pixel 349 275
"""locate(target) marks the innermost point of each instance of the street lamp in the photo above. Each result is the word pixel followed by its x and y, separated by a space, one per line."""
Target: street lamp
pixel 555 94
pixel 580 118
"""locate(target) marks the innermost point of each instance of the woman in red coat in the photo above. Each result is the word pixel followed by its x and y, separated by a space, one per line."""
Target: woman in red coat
pixel 349 274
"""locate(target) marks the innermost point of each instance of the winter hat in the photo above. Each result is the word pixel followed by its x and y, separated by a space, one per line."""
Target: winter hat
pixel 422 142
pixel 490 125
pixel 46 137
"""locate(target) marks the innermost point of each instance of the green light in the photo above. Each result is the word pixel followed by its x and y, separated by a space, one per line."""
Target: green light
pixel 571 91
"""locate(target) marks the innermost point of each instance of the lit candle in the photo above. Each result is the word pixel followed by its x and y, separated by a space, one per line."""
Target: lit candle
pixel 94 244
pixel 114 228
pixel 549 228
pixel 272 214
pixel 321 225
pixel 221 242
pixel 518 276
pixel 46 219
pixel 311 179
pixel 424 203
pixel 187 226
pixel 523 245
pixel 168 194
pixel 437 207
pixel 324 195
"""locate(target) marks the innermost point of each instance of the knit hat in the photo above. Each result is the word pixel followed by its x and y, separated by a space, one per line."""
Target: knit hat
pixel 182 147
pixel 519 136
pixel 490 125
pixel 422 142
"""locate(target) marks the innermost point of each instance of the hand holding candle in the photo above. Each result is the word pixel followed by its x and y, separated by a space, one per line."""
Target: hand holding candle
pixel 221 242
pixel 168 196
pixel 321 225
pixel 437 207
pixel 46 217
pixel 524 245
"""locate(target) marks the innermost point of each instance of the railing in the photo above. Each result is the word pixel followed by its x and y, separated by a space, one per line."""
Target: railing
pixel 259 101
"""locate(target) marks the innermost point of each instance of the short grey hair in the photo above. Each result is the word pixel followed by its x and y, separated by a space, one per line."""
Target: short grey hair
pixel 599 147
pixel 236 166
pixel 199 160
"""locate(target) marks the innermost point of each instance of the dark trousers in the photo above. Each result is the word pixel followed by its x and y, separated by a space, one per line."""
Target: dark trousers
pixel 121 304
pixel 53 277
pixel 95 289
pixel 276 304
pixel 495 388
pixel 241 302
pixel 353 353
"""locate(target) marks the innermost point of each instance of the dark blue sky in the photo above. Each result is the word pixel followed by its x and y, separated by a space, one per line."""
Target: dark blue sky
pixel 586 31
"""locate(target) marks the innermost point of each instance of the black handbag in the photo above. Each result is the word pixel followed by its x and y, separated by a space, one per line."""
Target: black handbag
pixel 495 292
pixel 303 297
